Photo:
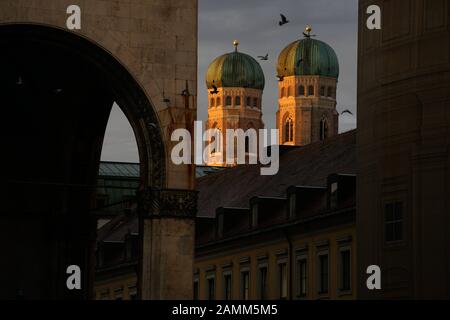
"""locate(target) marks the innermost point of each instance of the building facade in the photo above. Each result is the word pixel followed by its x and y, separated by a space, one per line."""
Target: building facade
pixel 308 71
pixel 290 236
pixel 403 139
pixel 301 246
pixel 141 55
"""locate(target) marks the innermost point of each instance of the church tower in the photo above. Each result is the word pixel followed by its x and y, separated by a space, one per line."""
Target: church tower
pixel 308 71
pixel 235 83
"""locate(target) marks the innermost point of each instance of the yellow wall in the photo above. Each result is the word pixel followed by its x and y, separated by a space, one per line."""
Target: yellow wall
pixel 271 250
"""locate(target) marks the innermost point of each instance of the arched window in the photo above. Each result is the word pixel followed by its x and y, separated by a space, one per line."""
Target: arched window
pixel 249 101
pixel 218 102
pixel 301 90
pixel 323 129
pixel 310 90
pixel 247 144
pixel 289 130
pixel 228 101
pixel 322 91
pixel 330 92
pixel 212 102
pixel 237 101
pixel 255 102
pixel 289 91
pixel 283 92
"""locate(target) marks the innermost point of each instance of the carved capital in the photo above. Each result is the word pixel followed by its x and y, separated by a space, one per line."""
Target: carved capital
pixel 168 203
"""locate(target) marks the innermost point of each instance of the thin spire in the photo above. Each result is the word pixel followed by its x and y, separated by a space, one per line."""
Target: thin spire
pixel 235 44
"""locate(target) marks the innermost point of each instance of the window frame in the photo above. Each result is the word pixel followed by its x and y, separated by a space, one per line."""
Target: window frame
pixel 341 289
pixel 302 257
pixel 263 294
pixel 227 291
pixel 242 289
pixel 319 279
pixel 401 221
pixel 209 278
pixel 282 281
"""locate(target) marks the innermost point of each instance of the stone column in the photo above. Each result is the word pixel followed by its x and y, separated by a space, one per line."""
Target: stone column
pixel 167 244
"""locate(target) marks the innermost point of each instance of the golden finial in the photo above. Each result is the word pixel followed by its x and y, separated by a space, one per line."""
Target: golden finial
pixel 235 44
pixel 307 32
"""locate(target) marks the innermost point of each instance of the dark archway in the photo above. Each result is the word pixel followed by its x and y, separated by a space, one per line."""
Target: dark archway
pixel 57 91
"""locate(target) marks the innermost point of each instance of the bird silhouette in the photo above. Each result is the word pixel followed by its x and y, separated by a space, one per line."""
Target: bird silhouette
pixel 284 20
pixel 215 91
pixel 347 111
pixel 280 78
pixel 266 57
pixel 308 35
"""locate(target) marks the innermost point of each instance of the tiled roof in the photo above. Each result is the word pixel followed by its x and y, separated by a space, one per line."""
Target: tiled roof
pixel 308 166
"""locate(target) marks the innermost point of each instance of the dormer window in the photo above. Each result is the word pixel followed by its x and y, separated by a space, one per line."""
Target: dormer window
pixel 334 195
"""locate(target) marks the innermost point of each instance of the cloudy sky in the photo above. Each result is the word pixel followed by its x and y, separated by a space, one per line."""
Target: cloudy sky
pixel 255 24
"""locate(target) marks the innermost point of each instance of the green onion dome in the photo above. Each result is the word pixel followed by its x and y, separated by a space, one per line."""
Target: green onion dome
pixel 307 57
pixel 235 69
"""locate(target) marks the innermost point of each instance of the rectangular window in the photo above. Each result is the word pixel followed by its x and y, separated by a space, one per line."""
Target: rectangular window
pixel 292 200
pixel 245 285
pixel 211 288
pixel 118 293
pixel 323 274
pixel 394 221
pixel 302 277
pixel 227 286
pixel 196 292
pixel 345 270
pixel 282 280
pixel 334 195
pixel 132 291
pixel 262 283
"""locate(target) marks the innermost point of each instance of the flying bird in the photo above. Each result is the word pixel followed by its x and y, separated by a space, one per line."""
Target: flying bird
pixel 215 91
pixel 284 20
pixel 266 57
pixel 347 111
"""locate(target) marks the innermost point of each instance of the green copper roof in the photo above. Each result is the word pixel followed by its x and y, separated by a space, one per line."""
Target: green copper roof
pixel 235 69
pixel 308 57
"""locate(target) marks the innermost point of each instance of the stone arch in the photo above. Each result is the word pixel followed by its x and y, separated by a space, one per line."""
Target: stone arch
pixel 105 76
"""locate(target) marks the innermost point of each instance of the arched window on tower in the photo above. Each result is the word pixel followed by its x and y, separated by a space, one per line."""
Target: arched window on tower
pixel 289 91
pixel 228 101
pixel 289 130
pixel 301 90
pixel 310 90
pixel 237 101
pixel 212 102
pixel 283 92
pixel 323 129
pixel 255 102
pixel 330 92
pixel 218 102
pixel 249 101
pixel 322 91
